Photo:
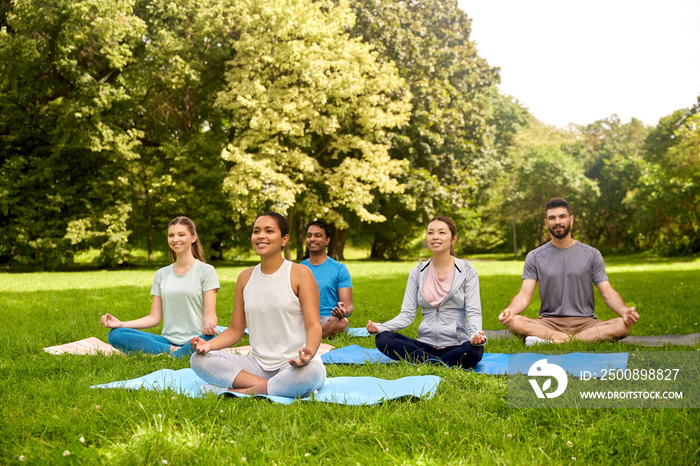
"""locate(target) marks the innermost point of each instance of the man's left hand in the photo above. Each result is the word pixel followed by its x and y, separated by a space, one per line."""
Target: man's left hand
pixel 630 317
pixel 339 310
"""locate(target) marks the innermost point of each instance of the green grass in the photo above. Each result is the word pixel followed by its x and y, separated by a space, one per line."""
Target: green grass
pixel 48 407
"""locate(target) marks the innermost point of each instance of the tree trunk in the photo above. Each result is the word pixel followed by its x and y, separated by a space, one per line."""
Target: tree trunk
pixel 335 248
pixel 149 238
pixel 301 236
pixel 378 249
pixel 218 247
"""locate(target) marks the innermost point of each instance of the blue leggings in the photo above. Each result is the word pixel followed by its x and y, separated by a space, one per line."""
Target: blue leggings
pixel 129 340
pixel 398 346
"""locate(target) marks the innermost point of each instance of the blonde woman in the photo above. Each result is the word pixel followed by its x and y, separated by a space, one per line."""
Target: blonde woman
pixel 184 299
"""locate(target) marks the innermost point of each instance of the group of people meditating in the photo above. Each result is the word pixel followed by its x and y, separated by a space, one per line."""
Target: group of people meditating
pixel 287 308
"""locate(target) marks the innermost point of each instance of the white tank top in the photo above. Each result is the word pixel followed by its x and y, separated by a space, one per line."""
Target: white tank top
pixel 274 318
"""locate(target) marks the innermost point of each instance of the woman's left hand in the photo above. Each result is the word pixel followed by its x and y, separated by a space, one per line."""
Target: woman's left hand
pixel 372 327
pixel 479 338
pixel 209 329
pixel 305 356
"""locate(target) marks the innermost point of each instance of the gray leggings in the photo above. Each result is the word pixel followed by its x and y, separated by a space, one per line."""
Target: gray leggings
pixel 222 369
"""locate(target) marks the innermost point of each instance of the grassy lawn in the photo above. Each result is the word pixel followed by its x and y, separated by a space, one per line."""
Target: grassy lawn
pixel 50 415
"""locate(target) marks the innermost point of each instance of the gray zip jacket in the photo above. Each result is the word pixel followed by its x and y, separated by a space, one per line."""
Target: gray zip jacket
pixel 456 320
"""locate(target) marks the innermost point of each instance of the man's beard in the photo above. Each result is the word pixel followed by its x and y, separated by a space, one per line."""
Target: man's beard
pixel 560 234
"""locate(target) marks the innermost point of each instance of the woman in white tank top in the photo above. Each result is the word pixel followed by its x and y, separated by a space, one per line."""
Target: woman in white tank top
pixel 277 301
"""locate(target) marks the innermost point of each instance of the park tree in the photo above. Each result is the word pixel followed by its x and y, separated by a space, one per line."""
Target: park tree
pixel 546 172
pixel 179 170
pixel 489 225
pixel 667 200
pixel 66 132
pixel 109 127
pixel 541 164
pixel 448 132
pixel 309 110
pixel 612 152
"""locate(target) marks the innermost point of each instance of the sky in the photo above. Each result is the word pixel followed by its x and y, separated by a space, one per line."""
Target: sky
pixel 578 61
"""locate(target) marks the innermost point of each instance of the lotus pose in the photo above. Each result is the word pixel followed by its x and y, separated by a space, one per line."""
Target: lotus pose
pixel 278 301
pixel 184 298
pixel 447 290
pixel 567 270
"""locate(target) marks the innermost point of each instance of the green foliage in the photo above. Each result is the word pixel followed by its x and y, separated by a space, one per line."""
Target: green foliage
pixel 630 187
pixel 64 126
pixel 376 115
pixel 488 226
pixel 668 196
pixel 613 159
pixel 448 132
pixel 179 170
pixel 544 173
pixel 309 109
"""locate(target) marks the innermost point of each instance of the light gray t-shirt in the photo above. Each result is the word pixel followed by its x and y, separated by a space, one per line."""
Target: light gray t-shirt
pixel 566 278
pixel 183 300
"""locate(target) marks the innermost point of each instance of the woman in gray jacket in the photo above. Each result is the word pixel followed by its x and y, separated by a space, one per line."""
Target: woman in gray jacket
pixel 447 290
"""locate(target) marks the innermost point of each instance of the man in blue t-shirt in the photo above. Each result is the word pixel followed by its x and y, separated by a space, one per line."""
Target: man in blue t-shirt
pixel 333 278
pixel 566 270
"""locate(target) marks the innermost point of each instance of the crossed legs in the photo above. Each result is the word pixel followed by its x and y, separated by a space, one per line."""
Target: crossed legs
pixel 129 340
pixel 243 374
pixel 564 329
pixel 333 326
pixel 398 346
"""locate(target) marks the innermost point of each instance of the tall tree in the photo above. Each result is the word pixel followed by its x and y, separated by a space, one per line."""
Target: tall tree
pixel 65 128
pixel 308 110
pixel 448 131
pixel 489 225
pixel 667 200
pixel 179 171
pixel 541 164
pixel 612 154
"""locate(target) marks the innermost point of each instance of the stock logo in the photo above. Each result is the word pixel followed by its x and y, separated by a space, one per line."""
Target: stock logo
pixel 543 369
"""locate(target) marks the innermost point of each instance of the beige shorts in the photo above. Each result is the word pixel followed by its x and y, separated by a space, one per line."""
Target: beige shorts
pixel 569 325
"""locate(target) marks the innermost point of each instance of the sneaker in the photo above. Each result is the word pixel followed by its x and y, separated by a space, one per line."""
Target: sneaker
pixel 531 340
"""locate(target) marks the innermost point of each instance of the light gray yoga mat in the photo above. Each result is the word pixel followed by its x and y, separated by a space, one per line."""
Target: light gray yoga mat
pixel 661 340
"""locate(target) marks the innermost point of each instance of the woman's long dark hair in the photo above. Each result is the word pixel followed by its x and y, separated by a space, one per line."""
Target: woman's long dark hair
pixel 451 225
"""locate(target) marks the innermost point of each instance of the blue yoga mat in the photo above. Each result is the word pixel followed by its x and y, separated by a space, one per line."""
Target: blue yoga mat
pixel 573 363
pixel 494 363
pixel 354 354
pixel 341 390
pixel 221 328
pixel 358 332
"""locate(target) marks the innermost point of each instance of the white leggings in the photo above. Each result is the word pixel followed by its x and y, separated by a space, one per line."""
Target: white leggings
pixel 222 369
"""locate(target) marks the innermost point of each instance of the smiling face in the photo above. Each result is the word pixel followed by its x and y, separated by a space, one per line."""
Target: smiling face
pixel 439 237
pixel 559 222
pixel 267 238
pixel 180 239
pixel 316 239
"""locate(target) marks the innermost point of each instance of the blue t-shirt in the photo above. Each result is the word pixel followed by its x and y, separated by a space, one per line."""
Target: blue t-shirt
pixel 330 277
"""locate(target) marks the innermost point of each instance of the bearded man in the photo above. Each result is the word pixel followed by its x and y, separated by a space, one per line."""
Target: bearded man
pixel 566 270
